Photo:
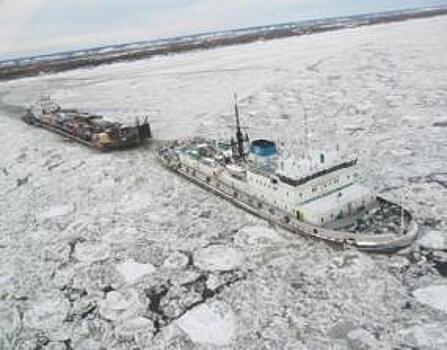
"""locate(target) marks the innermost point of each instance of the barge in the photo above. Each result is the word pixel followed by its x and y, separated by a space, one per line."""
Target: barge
pixel 318 198
pixel 88 129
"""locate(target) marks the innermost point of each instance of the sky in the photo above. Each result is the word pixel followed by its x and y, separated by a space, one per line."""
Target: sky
pixel 32 27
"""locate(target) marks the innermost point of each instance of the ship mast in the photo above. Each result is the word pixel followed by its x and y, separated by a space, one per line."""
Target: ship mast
pixel 306 138
pixel 239 135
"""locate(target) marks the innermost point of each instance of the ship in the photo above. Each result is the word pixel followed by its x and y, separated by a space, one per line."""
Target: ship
pixel 88 129
pixel 317 197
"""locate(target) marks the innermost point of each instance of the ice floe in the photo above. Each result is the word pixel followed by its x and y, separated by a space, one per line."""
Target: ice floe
pixel 8 319
pixel 47 313
pixel 257 237
pixel 176 260
pixel 120 305
pixel 92 251
pixel 435 240
pixel 434 296
pixel 133 271
pixel 56 211
pixel 218 258
pixel 131 328
pixel 361 339
pixel 122 235
pixel 426 336
pixel 209 325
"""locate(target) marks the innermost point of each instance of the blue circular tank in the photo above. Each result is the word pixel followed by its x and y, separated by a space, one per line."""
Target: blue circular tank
pixel 263 148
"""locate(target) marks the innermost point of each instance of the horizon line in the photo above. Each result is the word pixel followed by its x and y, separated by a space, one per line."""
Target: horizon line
pixel 221 31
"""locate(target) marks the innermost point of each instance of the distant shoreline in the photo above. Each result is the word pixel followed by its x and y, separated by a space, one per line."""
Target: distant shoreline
pixel 132 52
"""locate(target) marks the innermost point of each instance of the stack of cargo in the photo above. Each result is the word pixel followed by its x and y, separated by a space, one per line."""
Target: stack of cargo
pixel 91 130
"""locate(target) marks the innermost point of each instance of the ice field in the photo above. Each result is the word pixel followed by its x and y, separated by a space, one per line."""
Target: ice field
pixel 111 251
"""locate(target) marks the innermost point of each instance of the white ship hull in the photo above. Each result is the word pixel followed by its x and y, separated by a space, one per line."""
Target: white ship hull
pixel 239 194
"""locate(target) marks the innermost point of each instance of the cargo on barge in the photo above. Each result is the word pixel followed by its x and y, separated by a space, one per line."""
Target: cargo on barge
pixel 88 129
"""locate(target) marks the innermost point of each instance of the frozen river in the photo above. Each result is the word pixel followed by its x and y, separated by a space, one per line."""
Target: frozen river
pixel 111 251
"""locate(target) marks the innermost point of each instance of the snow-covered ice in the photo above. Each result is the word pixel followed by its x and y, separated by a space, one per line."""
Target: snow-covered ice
pixel 435 240
pixel 207 324
pixel 427 336
pixel 47 314
pixel 133 271
pixel 434 296
pixel 120 305
pixel 112 251
pixel 92 251
pixel 176 260
pixel 218 258
pixel 130 329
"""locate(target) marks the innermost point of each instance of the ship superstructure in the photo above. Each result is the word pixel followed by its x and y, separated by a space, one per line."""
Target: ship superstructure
pixel 86 128
pixel 321 196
